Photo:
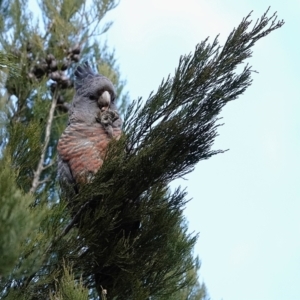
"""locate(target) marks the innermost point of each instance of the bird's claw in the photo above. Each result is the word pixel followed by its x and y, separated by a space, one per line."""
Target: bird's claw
pixel 106 118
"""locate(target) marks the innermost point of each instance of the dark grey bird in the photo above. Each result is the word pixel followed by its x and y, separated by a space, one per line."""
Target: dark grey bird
pixel 93 122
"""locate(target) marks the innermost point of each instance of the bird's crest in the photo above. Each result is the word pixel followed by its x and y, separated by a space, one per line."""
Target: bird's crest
pixel 82 73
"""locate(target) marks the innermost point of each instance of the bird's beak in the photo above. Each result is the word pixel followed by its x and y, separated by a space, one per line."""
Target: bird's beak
pixel 104 101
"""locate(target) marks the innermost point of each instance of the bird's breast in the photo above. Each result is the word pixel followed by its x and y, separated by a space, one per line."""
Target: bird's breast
pixel 84 148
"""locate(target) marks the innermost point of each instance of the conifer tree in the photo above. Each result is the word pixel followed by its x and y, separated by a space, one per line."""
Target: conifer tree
pixel 46 251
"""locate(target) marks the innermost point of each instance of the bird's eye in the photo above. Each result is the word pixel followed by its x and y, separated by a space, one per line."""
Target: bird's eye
pixel 112 97
pixel 92 98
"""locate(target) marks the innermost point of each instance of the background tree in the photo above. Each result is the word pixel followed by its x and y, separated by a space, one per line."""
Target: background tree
pixel 164 137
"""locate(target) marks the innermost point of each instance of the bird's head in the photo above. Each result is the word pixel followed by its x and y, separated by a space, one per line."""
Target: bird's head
pixel 94 93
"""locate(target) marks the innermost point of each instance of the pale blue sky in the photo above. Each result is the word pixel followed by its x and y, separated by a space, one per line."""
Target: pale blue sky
pixel 245 202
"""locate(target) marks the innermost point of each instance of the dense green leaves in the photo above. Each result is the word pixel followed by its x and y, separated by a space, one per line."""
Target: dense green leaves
pixel 69 289
pixel 20 225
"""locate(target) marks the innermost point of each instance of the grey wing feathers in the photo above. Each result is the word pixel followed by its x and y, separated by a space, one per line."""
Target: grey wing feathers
pixel 65 175
pixel 64 171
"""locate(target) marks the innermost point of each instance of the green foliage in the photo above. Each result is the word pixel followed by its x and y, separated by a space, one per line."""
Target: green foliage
pixel 25 146
pixel 150 262
pixel 68 288
pixel 19 224
pixel 7 66
pixel 193 291
pixel 125 232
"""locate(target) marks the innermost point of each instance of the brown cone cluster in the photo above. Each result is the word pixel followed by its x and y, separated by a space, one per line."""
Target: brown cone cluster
pixel 54 68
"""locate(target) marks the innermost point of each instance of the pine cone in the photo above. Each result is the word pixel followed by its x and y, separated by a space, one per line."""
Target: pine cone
pixel 65 65
pixel 55 76
pixel 76 49
pixel 60 99
pixel 49 58
pixel 75 57
pixel 39 71
pixel 53 65
pixel 64 81
pixel 53 86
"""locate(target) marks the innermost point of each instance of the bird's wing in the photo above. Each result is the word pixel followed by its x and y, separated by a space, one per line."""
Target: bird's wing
pixel 64 171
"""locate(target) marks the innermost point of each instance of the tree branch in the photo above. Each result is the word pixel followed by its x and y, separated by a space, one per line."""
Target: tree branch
pixel 37 174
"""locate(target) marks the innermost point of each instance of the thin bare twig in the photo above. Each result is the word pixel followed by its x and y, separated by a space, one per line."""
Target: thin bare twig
pixel 37 174
pixel 103 293
pixel 44 180
pixel 49 165
pixel 72 222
